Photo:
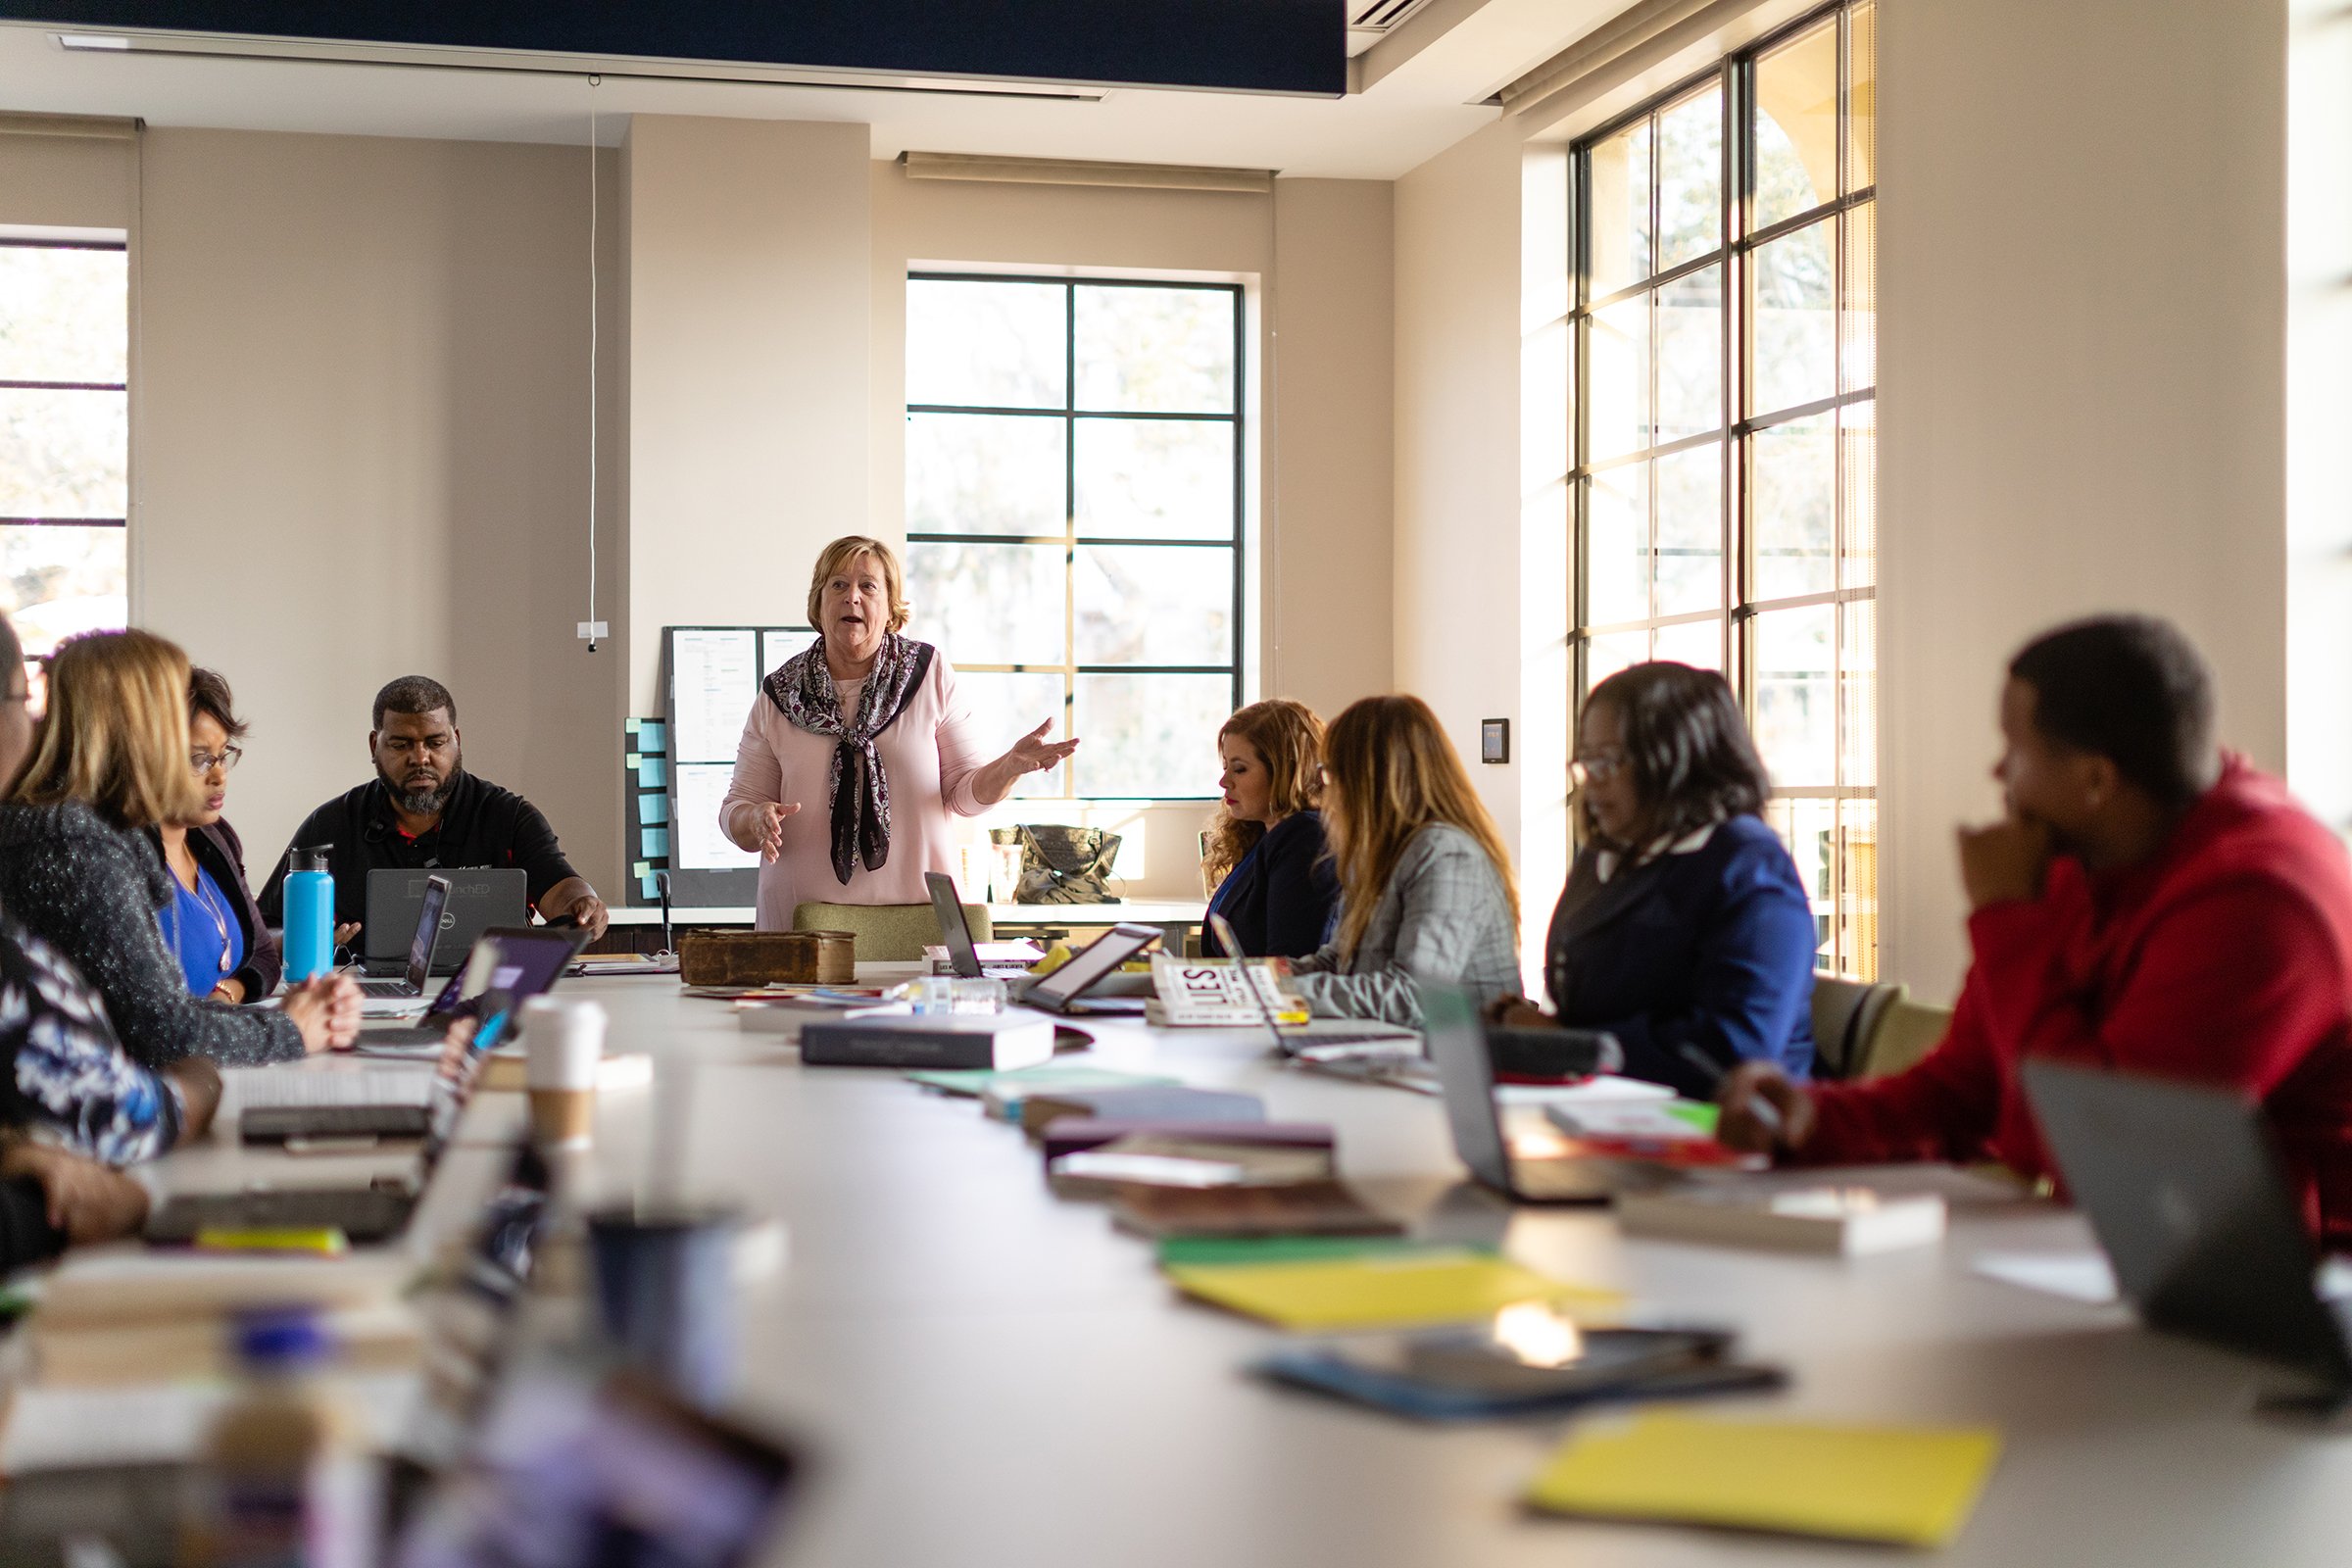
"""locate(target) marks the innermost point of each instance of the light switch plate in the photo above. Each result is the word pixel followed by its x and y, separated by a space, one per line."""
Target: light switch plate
pixel 1495 740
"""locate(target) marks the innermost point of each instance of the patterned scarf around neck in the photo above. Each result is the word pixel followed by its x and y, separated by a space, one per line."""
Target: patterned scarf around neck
pixel 802 688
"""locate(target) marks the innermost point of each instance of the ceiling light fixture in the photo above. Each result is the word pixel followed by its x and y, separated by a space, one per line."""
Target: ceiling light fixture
pixel 421 57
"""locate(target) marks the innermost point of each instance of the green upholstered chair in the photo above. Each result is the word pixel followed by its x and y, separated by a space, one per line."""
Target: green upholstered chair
pixel 888 933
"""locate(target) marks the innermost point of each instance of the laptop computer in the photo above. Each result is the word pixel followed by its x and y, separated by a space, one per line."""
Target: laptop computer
pixel 964 955
pixel 1458 1044
pixel 521 963
pixel 2190 1200
pixel 395 998
pixel 478 898
pixel 1093 963
pixel 1318 1033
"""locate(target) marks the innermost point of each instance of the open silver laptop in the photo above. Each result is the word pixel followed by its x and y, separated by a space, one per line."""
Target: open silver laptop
pixel 964 954
pixel 1458 1044
pixel 406 994
pixel 2189 1200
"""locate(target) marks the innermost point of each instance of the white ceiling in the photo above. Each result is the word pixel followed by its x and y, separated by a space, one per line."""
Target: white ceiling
pixel 1428 79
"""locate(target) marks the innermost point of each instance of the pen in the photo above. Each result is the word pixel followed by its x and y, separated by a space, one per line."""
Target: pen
pixel 1764 1111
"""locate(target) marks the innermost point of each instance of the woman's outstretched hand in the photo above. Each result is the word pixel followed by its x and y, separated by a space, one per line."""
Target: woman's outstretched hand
pixel 766 827
pixel 1031 753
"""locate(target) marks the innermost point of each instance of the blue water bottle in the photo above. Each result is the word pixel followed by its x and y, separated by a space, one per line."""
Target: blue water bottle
pixel 309 905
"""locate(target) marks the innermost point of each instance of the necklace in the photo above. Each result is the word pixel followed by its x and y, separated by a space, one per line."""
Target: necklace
pixel 219 917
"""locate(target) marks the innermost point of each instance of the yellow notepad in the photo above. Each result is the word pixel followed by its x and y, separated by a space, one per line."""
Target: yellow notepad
pixel 1908 1485
pixel 1382 1289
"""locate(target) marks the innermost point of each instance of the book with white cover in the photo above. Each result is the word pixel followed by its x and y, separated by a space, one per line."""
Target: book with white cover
pixel 1837 1222
pixel 1196 994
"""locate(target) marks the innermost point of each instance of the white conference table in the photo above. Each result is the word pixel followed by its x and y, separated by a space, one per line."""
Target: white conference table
pixel 989 1375
pixel 984 1374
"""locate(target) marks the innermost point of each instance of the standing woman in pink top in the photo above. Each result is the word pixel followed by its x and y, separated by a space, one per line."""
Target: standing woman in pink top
pixel 866 724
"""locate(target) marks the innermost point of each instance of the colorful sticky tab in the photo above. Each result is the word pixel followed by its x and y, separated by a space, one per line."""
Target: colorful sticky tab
pixel 655 841
pixel 653 773
pixel 648 889
pixel 652 737
pixel 651 808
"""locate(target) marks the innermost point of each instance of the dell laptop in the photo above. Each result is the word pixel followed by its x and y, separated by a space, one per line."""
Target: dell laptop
pixel 2190 1200
pixel 406 994
pixel 964 954
pixel 478 898
pixel 1458 1044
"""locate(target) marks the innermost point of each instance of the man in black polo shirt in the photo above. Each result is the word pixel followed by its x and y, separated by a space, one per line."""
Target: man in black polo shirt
pixel 423 810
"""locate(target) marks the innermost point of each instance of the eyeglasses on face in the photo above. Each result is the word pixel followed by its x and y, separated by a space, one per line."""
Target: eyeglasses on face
pixel 1597 767
pixel 203 763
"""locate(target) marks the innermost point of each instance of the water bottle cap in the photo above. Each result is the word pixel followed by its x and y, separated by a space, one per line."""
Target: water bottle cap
pixel 309 859
pixel 281 1339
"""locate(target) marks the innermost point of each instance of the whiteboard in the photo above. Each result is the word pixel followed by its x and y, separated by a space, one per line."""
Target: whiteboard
pixel 697 841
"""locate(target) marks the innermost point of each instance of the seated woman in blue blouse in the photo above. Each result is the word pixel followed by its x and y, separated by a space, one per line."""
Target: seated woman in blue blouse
pixel 1275 880
pixel 1683 929
pixel 213 925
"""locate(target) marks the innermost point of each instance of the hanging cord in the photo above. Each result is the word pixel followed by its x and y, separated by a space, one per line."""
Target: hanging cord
pixel 594 311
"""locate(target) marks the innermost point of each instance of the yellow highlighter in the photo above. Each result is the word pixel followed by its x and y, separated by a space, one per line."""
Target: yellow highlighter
pixel 318 1239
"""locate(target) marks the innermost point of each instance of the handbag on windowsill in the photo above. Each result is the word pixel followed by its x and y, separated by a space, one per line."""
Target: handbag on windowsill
pixel 1063 864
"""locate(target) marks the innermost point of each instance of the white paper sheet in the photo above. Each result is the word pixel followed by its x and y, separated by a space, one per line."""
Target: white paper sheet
pixel 713 677
pixel 2073 1276
pixel 696 842
pixel 776 646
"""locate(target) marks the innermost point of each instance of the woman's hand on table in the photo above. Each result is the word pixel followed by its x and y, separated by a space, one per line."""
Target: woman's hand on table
pixel 1762 1111
pixel 87 1201
pixel 326 1009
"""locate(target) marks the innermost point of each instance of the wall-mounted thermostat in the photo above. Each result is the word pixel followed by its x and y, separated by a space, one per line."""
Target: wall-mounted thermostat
pixel 1495 740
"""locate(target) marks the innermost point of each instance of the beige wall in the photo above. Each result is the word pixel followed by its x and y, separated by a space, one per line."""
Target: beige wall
pixel 747 287
pixel 2081 346
pixel 360 441
pixel 1463 546
pixel 1316 259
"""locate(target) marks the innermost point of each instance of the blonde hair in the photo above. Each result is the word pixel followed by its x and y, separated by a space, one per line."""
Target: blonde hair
pixel 116 734
pixel 1287 739
pixel 839 556
pixel 1389 772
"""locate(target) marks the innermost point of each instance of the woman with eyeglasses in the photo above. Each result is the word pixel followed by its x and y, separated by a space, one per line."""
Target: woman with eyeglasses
pixel 1683 930
pixel 113 759
pixel 213 925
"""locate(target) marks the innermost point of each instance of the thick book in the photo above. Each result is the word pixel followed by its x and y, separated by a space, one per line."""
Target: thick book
pixel 996 1041
pixel 1839 1221
pixel 1162 1102
pixel 1306 1208
pixel 1070 1135
pixel 1192 994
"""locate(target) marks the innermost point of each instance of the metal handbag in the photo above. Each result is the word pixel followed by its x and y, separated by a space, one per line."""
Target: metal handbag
pixel 1066 864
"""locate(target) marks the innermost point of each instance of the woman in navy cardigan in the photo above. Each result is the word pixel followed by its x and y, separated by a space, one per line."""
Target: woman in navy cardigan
pixel 1275 880
pixel 1683 929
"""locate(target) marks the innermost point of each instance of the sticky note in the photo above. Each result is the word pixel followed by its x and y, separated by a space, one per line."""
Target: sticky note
pixel 655 841
pixel 1908 1485
pixel 636 759
pixel 1382 1289
pixel 653 736
pixel 643 871
pixel 653 773
pixel 648 889
pixel 653 809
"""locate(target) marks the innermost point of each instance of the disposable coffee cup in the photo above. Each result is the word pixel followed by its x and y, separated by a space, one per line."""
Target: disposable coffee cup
pixel 665 1293
pixel 562 1042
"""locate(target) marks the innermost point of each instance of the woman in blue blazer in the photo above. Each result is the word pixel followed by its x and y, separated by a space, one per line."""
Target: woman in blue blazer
pixel 1683 929
pixel 1275 879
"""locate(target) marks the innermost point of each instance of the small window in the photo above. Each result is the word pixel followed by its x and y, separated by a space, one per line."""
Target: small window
pixel 65 438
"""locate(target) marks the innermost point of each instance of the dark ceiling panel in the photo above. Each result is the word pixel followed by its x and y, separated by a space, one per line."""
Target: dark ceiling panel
pixel 1288 46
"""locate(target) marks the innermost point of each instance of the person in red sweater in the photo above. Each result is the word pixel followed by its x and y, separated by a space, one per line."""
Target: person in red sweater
pixel 2148 904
